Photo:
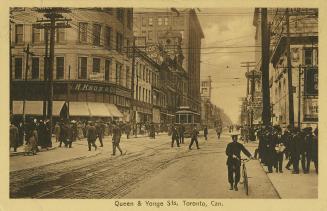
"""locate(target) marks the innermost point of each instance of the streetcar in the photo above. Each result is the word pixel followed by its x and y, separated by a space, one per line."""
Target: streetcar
pixel 187 118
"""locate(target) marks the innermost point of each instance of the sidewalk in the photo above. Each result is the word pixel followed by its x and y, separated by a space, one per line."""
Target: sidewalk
pixel 57 155
pixel 18 161
pixel 290 186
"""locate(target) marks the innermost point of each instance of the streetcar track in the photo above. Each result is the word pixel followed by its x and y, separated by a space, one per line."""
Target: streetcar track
pixel 95 174
pixel 127 161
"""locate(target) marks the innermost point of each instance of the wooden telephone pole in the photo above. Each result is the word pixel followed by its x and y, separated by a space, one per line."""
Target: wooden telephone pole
pixel 266 112
pixel 247 65
pixel 55 20
pixel 289 72
pixel 28 53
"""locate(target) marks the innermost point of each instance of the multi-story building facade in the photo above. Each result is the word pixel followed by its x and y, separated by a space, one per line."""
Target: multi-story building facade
pixel 205 101
pixel 92 64
pixel 149 99
pixel 303 41
pixel 154 26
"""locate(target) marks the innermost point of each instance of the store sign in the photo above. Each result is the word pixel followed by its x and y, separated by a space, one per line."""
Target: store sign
pixel 85 87
pixel 311 81
pixel 96 76
pixel 310 109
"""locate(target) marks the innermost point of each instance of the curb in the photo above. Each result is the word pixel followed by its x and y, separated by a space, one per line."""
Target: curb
pixel 272 184
pixel 58 162
pixel 12 154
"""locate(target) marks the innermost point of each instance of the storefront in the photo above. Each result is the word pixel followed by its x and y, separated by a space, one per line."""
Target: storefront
pixel 87 99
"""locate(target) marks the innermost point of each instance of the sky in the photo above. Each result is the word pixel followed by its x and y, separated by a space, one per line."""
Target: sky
pixel 225 27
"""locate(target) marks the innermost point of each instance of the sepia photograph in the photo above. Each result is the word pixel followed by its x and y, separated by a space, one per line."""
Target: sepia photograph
pixel 163 103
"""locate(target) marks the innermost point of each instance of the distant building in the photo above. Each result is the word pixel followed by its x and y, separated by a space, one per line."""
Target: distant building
pixel 206 105
pixel 150 27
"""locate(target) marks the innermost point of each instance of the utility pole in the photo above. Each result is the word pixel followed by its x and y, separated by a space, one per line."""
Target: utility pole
pixel 45 72
pixel 252 97
pixel 299 100
pixel 247 65
pixel 28 53
pixel 266 115
pixel 68 93
pixel 133 83
pixel 289 72
pixel 55 20
pixel 10 65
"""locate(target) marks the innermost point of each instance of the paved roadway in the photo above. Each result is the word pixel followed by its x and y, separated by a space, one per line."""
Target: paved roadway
pixel 150 169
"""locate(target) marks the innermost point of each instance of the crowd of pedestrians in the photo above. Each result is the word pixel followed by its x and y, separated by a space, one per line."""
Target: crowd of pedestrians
pixel 37 133
pixel 295 144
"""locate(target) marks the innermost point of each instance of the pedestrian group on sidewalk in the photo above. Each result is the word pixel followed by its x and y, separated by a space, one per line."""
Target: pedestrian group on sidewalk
pixel 294 144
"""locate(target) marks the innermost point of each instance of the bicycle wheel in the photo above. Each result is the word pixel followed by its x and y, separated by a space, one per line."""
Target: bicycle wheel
pixel 245 181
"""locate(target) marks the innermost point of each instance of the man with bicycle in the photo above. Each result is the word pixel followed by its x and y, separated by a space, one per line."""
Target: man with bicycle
pixel 233 151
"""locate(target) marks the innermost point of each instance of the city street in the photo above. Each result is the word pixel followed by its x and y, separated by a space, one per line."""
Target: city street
pixel 150 169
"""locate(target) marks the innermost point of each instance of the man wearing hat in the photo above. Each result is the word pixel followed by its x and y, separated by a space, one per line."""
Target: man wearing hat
pixel 233 151
pixel 116 139
pixel 91 134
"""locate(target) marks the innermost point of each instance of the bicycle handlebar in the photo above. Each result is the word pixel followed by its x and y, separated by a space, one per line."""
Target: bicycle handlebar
pixel 245 160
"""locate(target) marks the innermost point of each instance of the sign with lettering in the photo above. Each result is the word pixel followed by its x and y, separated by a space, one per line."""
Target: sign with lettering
pixel 311 81
pixel 310 109
pixel 85 87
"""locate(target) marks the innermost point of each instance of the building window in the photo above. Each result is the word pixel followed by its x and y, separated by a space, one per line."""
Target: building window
pixel 128 78
pixel 60 36
pixel 127 48
pixel 107 70
pixel 108 37
pixel 150 21
pixel 96 65
pixel 129 18
pixel 82 30
pixel 308 57
pixel 60 62
pixel 166 21
pixel 150 35
pixel 35 68
pixel 96 34
pixel 159 21
pixel 119 42
pixel 120 14
pixel 143 94
pixel 139 93
pixel 18 68
pixel 143 76
pixel 143 21
pixel 19 32
pixel 82 67
pixel 36 34
pixel 118 73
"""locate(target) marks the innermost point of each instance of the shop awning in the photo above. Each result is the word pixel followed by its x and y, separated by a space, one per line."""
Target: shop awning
pixel 78 109
pixel 114 110
pixel 31 107
pixel 56 107
pixel 99 109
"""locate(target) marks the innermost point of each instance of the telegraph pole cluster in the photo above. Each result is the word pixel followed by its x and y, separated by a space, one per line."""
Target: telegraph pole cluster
pixel 247 65
pixel 54 20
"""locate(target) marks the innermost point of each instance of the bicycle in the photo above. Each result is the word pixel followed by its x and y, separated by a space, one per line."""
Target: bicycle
pixel 245 176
